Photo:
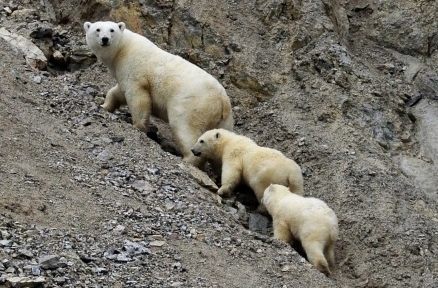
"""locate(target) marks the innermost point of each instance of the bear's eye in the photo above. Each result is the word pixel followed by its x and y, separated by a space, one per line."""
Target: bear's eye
pixel 202 141
pixel 112 30
pixel 98 30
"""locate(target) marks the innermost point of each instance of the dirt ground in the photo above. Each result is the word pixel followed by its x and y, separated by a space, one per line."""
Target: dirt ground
pixel 119 209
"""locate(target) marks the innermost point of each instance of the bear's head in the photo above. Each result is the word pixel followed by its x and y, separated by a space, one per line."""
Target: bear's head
pixel 267 195
pixel 208 144
pixel 103 34
pixel 274 191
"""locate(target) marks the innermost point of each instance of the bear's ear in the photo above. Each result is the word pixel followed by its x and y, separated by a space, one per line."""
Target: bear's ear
pixel 122 26
pixel 217 135
pixel 87 26
pixel 270 188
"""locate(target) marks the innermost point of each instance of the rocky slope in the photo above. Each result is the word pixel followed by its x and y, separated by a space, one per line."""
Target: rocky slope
pixel 346 88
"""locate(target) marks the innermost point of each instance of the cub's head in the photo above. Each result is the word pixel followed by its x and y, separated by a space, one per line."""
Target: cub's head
pixel 103 34
pixel 267 194
pixel 274 191
pixel 208 144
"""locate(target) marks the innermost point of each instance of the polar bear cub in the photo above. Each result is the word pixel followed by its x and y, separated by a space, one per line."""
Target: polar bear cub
pixel 243 159
pixel 306 219
pixel 152 81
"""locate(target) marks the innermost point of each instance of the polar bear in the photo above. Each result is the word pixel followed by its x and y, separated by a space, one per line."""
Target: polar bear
pixel 152 81
pixel 242 159
pixel 306 219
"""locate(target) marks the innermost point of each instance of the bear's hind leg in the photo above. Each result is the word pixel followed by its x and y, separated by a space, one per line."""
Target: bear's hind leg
pixel 185 139
pixel 140 106
pixel 329 253
pixel 295 181
pixel 114 99
pixel 315 255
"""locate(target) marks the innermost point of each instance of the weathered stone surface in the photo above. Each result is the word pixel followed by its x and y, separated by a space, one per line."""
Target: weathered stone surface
pixel 25 282
pixel 258 222
pixel 345 88
pixel 33 55
pixel 51 262
pixel 200 177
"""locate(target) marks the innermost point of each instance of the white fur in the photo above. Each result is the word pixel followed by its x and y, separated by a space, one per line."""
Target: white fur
pixel 243 159
pixel 153 81
pixel 306 219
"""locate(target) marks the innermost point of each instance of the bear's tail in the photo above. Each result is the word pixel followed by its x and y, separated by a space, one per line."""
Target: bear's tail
pixel 227 120
pixel 295 181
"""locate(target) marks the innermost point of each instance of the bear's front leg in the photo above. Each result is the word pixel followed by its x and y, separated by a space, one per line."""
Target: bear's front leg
pixel 282 231
pixel 114 99
pixel 140 106
pixel 231 175
pixel 261 209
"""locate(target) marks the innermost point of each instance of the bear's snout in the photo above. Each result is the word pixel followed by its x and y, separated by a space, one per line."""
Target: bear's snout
pixel 196 153
pixel 105 41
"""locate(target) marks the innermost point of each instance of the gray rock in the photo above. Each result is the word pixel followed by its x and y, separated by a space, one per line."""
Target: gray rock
pixel 427 83
pixel 25 252
pixel 59 280
pixel 35 270
pixel 169 188
pixel 157 243
pixel 241 211
pixel 134 248
pixel 50 262
pixel 122 257
pixel 142 185
pixel 117 139
pixel 5 234
pixel 6 263
pixel 107 140
pixel 58 58
pixel 258 223
pixel 169 205
pixel 120 229
pixel 154 171
pixel 104 156
pixel 26 282
pixel 37 79
pixel 33 55
pixel 87 121
pixel 5 243
pixel 200 177
pixel 100 270
pixel 80 58
pixel 91 91
pixel 117 255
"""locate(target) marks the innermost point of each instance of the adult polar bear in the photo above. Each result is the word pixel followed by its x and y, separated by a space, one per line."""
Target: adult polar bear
pixel 153 81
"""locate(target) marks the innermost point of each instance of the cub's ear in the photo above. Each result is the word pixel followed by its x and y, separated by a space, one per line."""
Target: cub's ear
pixel 87 26
pixel 217 135
pixel 122 26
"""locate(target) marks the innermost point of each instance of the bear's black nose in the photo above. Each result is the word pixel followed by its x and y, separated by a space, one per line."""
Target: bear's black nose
pixel 105 41
pixel 196 153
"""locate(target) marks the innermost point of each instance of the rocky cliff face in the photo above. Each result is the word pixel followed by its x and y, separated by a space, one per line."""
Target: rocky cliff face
pixel 346 88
